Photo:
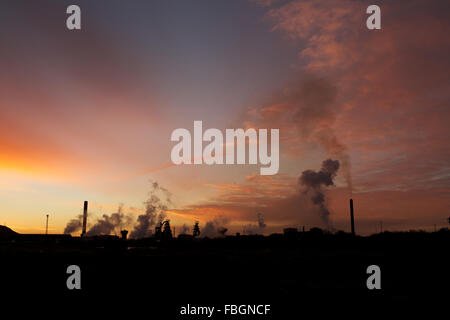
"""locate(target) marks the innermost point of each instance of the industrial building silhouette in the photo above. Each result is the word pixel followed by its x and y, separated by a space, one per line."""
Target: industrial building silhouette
pixel 314 267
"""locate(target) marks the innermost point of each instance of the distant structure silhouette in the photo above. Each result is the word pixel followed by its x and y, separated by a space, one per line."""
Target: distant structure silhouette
pixel 167 233
pixel 196 231
pixel 290 233
pixel 352 220
pixel 85 208
pixel 158 230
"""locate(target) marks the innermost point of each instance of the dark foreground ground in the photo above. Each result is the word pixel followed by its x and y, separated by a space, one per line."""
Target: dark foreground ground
pixel 310 272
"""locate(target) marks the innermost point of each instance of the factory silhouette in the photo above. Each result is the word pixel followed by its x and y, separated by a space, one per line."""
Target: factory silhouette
pixel 151 265
pixel 154 267
pixel 314 267
pixel 162 231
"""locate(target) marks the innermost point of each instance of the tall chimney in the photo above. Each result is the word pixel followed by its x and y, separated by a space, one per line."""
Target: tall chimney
pixel 352 221
pixel 84 218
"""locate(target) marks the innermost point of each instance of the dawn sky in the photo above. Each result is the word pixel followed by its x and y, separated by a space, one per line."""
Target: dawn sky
pixel 87 115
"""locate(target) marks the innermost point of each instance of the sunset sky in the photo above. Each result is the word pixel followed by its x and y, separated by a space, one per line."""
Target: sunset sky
pixel 88 114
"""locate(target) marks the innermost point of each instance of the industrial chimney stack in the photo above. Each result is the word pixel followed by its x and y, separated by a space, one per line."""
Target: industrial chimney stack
pixel 84 218
pixel 352 220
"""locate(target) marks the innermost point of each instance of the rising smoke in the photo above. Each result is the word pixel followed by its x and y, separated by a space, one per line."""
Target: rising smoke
pixel 314 99
pixel 255 228
pixel 306 111
pixel 215 228
pixel 315 182
pixel 155 212
pixel 110 224
pixel 74 225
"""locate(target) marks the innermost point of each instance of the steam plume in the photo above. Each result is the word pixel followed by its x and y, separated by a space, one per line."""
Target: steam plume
pixel 255 228
pixel 155 212
pixel 215 228
pixel 74 225
pixel 110 224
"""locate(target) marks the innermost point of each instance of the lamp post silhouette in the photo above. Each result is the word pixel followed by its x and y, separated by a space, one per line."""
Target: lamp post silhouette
pixel 46 226
pixel 352 220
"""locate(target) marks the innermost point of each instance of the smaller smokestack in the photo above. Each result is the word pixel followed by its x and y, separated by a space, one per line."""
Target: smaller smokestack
pixel 124 234
pixel 83 232
pixel 352 221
